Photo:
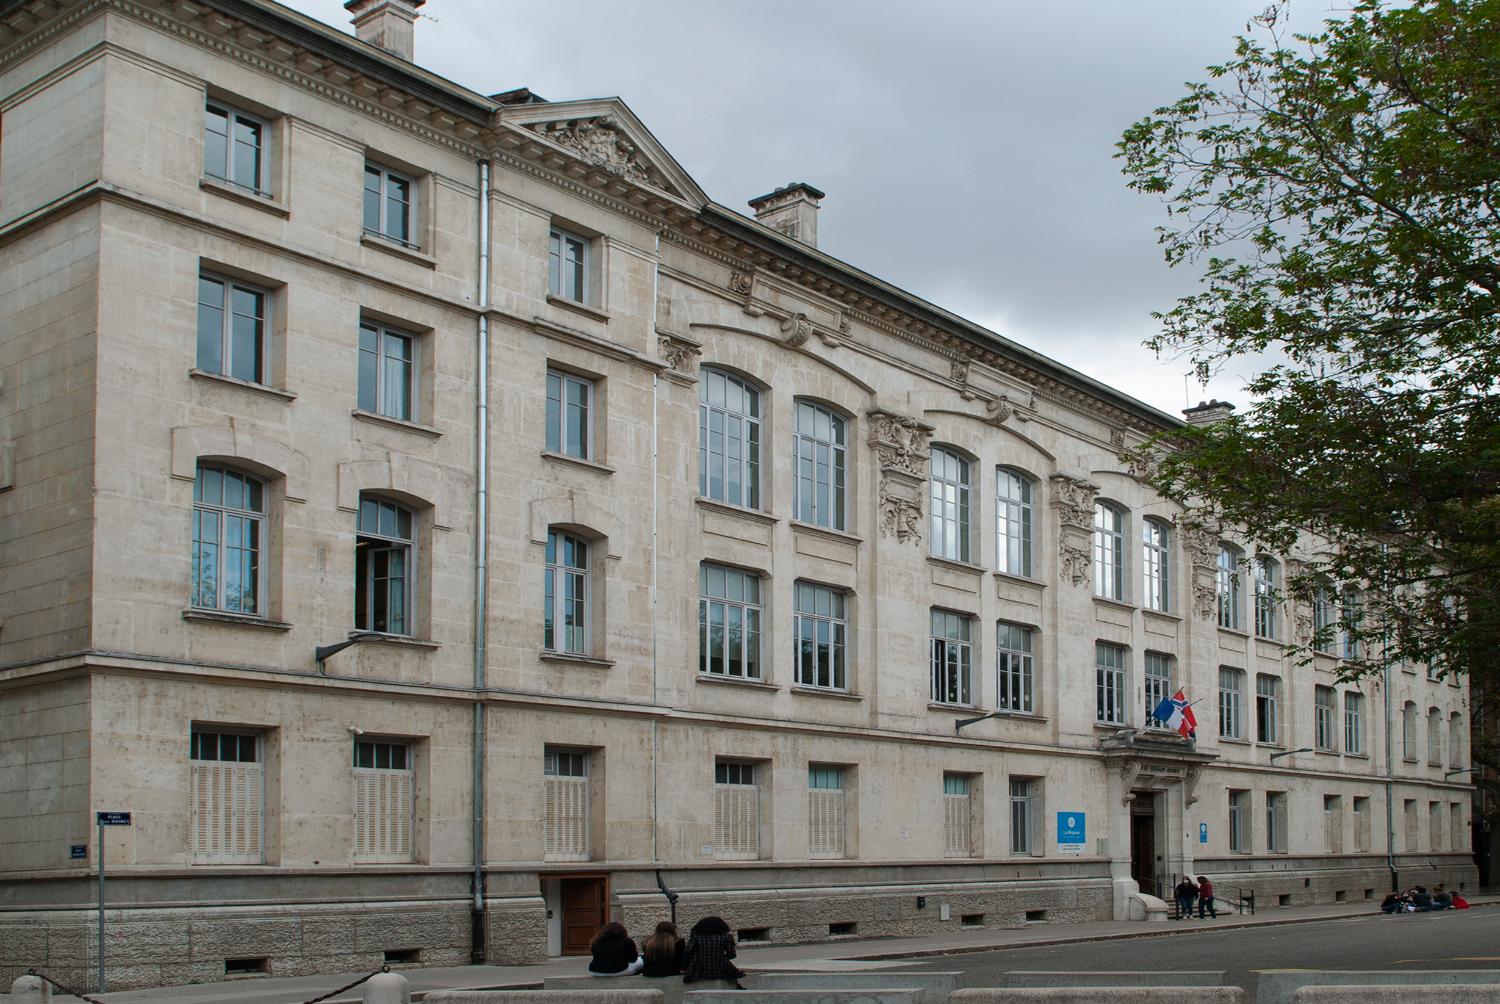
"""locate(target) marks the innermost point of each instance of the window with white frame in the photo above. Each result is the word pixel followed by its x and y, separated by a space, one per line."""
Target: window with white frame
pixel 1276 822
pixel 383 793
pixel 952 658
pixel 1156 564
pixel 1325 715
pixel 1456 825
pixel 1353 604
pixel 229 522
pixel 1158 686
pixel 958 815
pixel 736 810
pixel 1024 816
pixel 569 817
pixel 568 266
pixel 1109 551
pixel 1267 597
pixel 950 494
pixel 1110 689
pixel 728 439
pixel 820 632
pixel 825 812
pixel 1333 824
pixel 232 328
pixel 1015 527
pixel 1267 698
pixel 728 622
pixel 1434 736
pixel 388 204
pixel 1239 822
pixel 1325 618
pixel 228 783
pixel 236 148
pixel 1015 673
pixel 1409 820
pixel 1227 587
pixel 566 594
pixel 1231 697
pixel 818 466
pixel 1409 731
pixel 1354 722
pixel 384 564
pixel 1455 740
pixel 1361 823
pixel 387 371
pixel 570 415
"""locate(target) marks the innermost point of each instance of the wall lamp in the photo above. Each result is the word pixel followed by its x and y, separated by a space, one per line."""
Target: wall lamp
pixel 322 652
pixel 1461 770
pixel 1303 749
pixel 959 723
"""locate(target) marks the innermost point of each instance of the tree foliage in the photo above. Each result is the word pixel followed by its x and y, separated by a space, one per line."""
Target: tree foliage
pixel 1339 193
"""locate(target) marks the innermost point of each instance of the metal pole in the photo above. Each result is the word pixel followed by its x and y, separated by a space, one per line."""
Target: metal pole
pixel 102 987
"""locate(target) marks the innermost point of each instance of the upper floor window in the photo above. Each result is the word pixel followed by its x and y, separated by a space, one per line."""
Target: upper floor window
pixel 1109 551
pixel 232 328
pixel 1227 587
pixel 1325 618
pixel 387 204
pixel 1109 684
pixel 1267 697
pixel 952 658
pixel 235 148
pixel 818 486
pixel 229 516
pixel 1353 612
pixel 1267 598
pixel 728 622
pixel 383 566
pixel 568 266
pixel 1158 685
pixel 1014 526
pixel 728 439
pixel 566 594
pixel 1015 677
pixel 1434 736
pixel 1354 722
pixel 1231 698
pixel 1409 731
pixel 570 408
pixel 387 371
pixel 820 636
pixel 950 504
pixel 1156 564
pixel 1455 739
pixel 1324 715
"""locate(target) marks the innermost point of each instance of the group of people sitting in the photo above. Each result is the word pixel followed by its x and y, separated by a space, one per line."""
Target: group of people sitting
pixel 1202 892
pixel 704 956
pixel 1418 900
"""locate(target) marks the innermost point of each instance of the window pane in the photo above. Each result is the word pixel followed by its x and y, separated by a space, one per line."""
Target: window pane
pixel 215 142
pixel 369 366
pixel 247 164
pixel 210 325
pixel 372 199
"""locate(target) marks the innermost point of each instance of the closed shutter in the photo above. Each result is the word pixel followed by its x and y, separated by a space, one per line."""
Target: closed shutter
pixel 737 820
pixel 227 821
pixel 957 836
pixel 1456 824
pixel 567 825
pixel 1333 827
pixel 382 814
pixel 1434 827
pixel 825 822
pixel 1362 829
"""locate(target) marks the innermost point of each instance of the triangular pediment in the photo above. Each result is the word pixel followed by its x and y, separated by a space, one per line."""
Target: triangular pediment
pixel 605 134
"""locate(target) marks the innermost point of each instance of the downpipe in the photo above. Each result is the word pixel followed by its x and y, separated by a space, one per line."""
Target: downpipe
pixel 477 939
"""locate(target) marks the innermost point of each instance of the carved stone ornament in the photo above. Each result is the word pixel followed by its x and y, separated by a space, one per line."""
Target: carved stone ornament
pixel 1128 773
pixel 679 353
pixel 1205 595
pixel 958 369
pixel 1117 438
pixel 1190 784
pixel 900 443
pixel 795 331
pixel 845 323
pixel 998 410
pixel 1073 498
pixel 600 142
pixel 742 283
pixel 900 515
pixel 1074 556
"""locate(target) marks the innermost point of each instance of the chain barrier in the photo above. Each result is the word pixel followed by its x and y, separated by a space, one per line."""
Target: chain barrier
pixel 66 990
pixel 335 993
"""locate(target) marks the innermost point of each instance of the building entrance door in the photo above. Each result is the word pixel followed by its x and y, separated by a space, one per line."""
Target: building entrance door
pixel 1143 843
pixel 583 912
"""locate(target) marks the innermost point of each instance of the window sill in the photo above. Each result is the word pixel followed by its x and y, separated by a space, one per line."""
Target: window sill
pixel 1111 727
pixel 839 695
pixel 396 423
pixel 1121 604
pixel 1235 632
pixel 379 638
pixel 825 531
pixel 237 620
pixel 950 706
pixel 588 465
pixel 244 196
pixel 735 681
pixel 392 247
pixel 729 508
pixel 1165 615
pixel 259 388
pixel 956 565
pixel 578 308
pixel 1234 742
pixel 547 655
pixel 1020 580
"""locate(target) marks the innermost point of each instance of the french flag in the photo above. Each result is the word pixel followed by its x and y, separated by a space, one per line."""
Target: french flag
pixel 1174 713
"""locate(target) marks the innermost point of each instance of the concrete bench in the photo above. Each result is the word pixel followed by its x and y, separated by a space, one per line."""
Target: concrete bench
pixel 875 995
pixel 606 996
pixel 1455 993
pixel 1101 995
pixel 671 988
pixel 1045 978
pixel 1277 987
pixel 935 987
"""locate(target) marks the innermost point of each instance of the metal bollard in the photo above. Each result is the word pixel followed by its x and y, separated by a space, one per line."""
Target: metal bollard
pixel 30 990
pixel 387 988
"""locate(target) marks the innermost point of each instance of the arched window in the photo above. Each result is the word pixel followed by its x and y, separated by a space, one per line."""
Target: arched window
pixel 229 516
pixel 1353 604
pixel 1409 731
pixel 1015 528
pixel 1434 737
pixel 1455 740
pixel 566 594
pixel 1156 564
pixel 1109 551
pixel 1325 617
pixel 728 439
pixel 950 504
pixel 1267 599
pixel 820 477
pixel 1227 587
pixel 384 566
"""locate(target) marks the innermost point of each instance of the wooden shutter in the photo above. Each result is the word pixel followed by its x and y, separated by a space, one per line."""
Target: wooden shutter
pixel 382 814
pixel 1362 829
pixel 568 814
pixel 737 820
pixel 825 822
pixel 957 836
pixel 1333 827
pixel 227 820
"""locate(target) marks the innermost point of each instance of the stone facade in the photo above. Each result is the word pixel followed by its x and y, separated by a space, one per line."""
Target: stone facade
pixel 110 664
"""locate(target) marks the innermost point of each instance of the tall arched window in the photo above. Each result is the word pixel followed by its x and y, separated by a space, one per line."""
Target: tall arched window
pixel 728 439
pixel 566 594
pixel 1434 737
pixel 1109 551
pixel 819 482
pixel 1267 600
pixel 1014 526
pixel 1455 740
pixel 384 548
pixel 229 515
pixel 1227 587
pixel 1409 730
pixel 1325 617
pixel 1353 604
pixel 950 504
pixel 1156 564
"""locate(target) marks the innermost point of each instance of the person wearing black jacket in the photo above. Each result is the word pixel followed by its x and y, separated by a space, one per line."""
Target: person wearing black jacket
pixel 710 947
pixel 613 952
pixel 662 951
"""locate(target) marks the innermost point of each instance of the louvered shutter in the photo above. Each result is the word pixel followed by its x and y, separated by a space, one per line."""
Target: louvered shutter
pixel 957 837
pixel 825 822
pixel 737 820
pixel 567 818
pixel 382 814
pixel 227 820
pixel 1333 837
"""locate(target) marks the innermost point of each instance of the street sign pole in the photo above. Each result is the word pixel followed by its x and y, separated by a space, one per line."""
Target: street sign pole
pixel 101 903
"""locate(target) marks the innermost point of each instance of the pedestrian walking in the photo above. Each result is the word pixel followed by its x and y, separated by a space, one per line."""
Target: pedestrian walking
pixel 1185 893
pixel 1206 898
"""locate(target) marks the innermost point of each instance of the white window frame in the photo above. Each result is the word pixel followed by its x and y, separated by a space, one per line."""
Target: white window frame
pixel 1024 835
pixel 566 584
pixel 729 438
pixel 568 812
pixel 958 815
pixel 1267 573
pixel 1015 522
pixel 1267 709
pixel 820 472
pixel 736 810
pixel 382 229
pixel 1409 731
pixel 1325 719
pixel 374 397
pixel 1227 587
pixel 1333 824
pixel 1434 737
pixel 1360 804
pixel 261 184
pixel 383 801
pixel 227 796
pixel 1015 668
pixel 1231 703
pixel 1239 835
pixel 827 807
pixel 1276 822
pixel 729 596
pixel 1111 684
pixel 1354 728
pixel 1109 551
pixel 1160 669
pixel 1325 619
pixel 1455 739
pixel 223 517
pixel 950 484
pixel 952 658
pixel 561 408
pixel 1156 565
pixel 370 543
pixel 560 256
pixel 820 636
pixel 1351 600
pixel 229 362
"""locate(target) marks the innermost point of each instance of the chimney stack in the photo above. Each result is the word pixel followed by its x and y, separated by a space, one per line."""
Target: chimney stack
pixel 386 24
pixel 1208 412
pixel 793 210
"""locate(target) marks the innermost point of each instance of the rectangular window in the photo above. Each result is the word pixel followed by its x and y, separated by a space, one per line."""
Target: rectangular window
pixel 958 816
pixel 1434 826
pixel 1014 522
pixel 1015 688
pixel 1361 823
pixel 1109 552
pixel 1353 613
pixel 383 555
pixel 228 541
pixel 1231 689
pixel 570 408
pixel 1354 728
pixel 1267 695
pixel 565 594
pixel 1109 684
pixel 1023 815
pixel 820 637
pixel 736 810
pixel 1158 685
pixel 950 494
pixel 1333 824
pixel 1239 835
pixel 388 204
pixel 383 794
pixel 1227 587
pixel 1325 619
pixel 952 659
pixel 1434 737
pixel 728 622
pixel 1276 822
pixel 235 148
pixel 728 439
pixel 227 790
pixel 1456 825
pixel 565 773
pixel 1267 600
pixel 1156 564
pixel 232 328
pixel 1324 714
pixel 818 466
pixel 568 266
pixel 1409 818
pixel 825 812
pixel 387 372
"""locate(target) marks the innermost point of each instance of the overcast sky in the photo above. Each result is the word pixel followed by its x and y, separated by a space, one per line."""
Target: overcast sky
pixel 966 146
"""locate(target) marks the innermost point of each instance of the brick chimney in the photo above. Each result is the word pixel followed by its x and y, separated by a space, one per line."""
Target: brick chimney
pixel 386 24
pixel 793 210
pixel 1208 412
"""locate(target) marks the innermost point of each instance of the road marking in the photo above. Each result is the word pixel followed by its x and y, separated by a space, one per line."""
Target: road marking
pixel 1476 958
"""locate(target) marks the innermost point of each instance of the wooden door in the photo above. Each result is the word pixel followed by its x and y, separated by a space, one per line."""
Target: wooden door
pixel 1143 852
pixel 583 913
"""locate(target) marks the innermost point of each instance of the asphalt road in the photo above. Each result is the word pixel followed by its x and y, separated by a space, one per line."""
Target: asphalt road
pixel 1454 939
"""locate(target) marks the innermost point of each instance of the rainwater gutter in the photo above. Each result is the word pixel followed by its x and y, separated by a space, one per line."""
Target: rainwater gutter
pixel 477 947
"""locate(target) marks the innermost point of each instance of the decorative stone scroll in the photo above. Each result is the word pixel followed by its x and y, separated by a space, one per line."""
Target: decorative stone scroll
pixel 742 283
pixel 998 410
pixel 900 513
pixel 601 142
pixel 680 353
pixel 1073 501
pixel 900 445
pixel 795 331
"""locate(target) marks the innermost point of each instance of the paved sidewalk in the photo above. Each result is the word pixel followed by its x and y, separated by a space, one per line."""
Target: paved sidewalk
pixel 852 953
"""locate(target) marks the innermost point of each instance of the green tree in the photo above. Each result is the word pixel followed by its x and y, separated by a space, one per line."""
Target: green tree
pixel 1339 192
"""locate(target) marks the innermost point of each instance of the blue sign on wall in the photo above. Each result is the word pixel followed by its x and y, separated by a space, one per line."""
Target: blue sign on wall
pixel 113 818
pixel 1072 832
pixel 78 852
pixel 1202 833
